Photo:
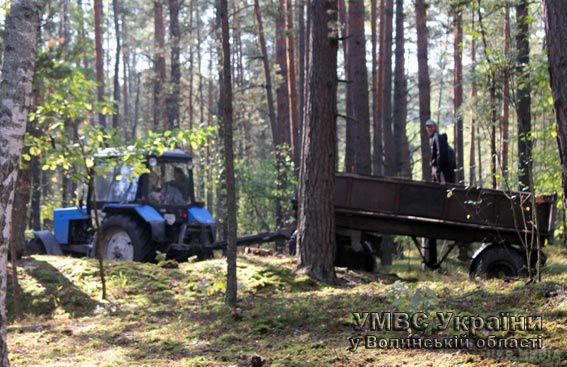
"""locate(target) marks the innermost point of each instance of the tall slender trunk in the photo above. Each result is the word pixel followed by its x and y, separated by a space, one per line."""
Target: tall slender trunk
pixel 350 128
pixel 18 62
pixel 555 13
pixel 357 75
pixel 386 105
pixel 505 125
pixel 159 116
pixel 424 85
pixel 174 90
pixel 401 154
pixel 458 95
pixel 316 230
pixel 523 95
pixel 191 66
pixel 282 89
pixel 99 56
pixel 126 77
pixel 291 83
pixel 116 82
pixel 376 94
pixel 472 160
pixel 302 37
pixel 227 118
pixel 267 73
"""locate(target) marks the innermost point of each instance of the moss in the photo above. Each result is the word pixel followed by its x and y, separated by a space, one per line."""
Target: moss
pixel 176 317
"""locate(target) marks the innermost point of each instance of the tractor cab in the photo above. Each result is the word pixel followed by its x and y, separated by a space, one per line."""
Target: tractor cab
pixel 139 214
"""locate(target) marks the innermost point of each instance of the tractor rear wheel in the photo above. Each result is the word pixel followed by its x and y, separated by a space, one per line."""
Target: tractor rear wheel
pixel 125 239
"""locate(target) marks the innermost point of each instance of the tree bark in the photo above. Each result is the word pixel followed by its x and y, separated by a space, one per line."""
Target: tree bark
pixel 505 124
pixel 126 77
pixel 386 85
pixel 267 73
pixel 523 95
pixel 316 230
pixel 282 89
pixel 20 42
pixel 175 90
pixel 401 154
pixel 99 58
pixel 116 85
pixel 458 95
pixel 357 102
pixel 377 153
pixel 424 85
pixel 555 13
pixel 291 83
pixel 226 97
pixel 472 160
pixel 302 37
pixel 159 116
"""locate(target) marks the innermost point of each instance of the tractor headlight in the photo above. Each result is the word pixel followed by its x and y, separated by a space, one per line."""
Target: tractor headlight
pixel 169 218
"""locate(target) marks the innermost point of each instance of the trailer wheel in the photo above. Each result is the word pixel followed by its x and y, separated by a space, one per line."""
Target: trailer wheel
pixel 498 261
pixel 125 239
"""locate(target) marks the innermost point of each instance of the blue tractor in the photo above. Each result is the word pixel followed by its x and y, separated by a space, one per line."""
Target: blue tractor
pixel 139 216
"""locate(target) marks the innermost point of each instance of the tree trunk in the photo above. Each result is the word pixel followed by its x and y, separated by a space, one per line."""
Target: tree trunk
pixel 282 94
pixel 458 96
pixel 226 97
pixel 386 85
pixel 291 83
pixel 99 56
pixel 267 73
pixel 505 125
pixel 424 85
pixel 472 160
pixel 160 122
pixel 126 78
pixel 316 230
pixel 401 156
pixel 555 13
pixel 190 86
pixel 20 42
pixel 357 102
pixel 523 97
pixel 175 90
pixel 376 94
pixel 116 90
pixel 302 37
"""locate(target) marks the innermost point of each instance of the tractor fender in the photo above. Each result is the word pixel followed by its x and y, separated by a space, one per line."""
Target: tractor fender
pixel 145 213
pixel 48 240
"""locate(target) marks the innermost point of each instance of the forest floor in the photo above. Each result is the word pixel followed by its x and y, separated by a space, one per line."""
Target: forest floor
pixel 158 316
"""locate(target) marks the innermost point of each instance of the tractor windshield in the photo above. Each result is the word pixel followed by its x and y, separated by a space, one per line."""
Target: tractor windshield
pixel 169 183
pixel 115 184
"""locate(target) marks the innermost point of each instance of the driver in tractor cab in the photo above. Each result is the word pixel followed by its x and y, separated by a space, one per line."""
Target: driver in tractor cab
pixel 169 195
pixel 182 183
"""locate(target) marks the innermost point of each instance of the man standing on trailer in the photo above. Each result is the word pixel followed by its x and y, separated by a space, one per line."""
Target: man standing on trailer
pixel 442 155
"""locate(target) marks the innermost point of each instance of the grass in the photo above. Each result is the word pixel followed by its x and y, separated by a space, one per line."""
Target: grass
pixel 176 317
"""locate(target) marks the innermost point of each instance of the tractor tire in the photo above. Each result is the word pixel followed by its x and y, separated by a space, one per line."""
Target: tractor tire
pixel 499 261
pixel 35 247
pixel 125 239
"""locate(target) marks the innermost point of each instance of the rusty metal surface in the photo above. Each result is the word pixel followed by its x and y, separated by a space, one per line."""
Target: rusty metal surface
pixel 404 207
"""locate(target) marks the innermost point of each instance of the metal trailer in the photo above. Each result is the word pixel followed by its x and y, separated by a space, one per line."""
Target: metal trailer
pixel 503 221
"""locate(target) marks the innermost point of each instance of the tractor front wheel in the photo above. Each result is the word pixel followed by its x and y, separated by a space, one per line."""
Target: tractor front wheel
pixel 125 239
